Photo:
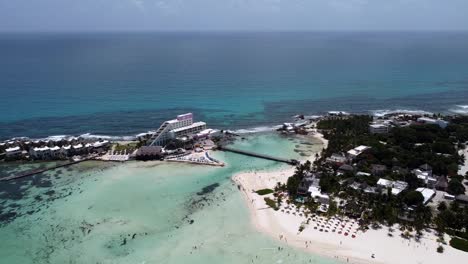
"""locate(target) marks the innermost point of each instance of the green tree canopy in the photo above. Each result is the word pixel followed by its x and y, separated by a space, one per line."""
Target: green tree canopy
pixel 414 198
pixel 455 187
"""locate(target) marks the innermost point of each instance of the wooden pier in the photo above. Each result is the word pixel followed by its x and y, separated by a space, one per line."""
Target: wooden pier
pixel 37 171
pixel 258 155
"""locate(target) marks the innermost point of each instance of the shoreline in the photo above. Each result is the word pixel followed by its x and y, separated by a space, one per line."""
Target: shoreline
pixel 285 228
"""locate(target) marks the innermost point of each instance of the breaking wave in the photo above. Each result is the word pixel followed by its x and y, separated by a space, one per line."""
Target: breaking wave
pixel 460 109
pixel 383 112
pixel 256 129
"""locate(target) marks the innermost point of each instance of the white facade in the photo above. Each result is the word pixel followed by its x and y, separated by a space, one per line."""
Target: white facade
pixel 396 186
pixel 337 158
pixel 207 133
pixel 355 152
pixel 65 151
pixel 188 130
pixel 425 176
pixel 317 194
pixel 378 128
pixel 54 152
pixel 428 194
pixel 183 125
pixel 441 123
pixel 40 153
pixel 13 152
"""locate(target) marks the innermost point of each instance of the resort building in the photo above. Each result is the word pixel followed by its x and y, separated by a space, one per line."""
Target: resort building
pixel 379 128
pixel 357 151
pixel 183 125
pixel 65 151
pixel 13 152
pixel 317 195
pixel 54 152
pixel 100 146
pixel 206 133
pixel 426 120
pixel 40 153
pixel 396 186
pixel 428 194
pixel 188 130
pixel 78 149
pixel 149 153
pixel 426 177
pixel 337 159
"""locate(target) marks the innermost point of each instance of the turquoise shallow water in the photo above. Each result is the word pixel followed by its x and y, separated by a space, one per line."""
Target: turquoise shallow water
pixel 143 213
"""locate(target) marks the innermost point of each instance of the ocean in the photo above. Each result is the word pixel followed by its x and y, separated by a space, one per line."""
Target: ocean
pixel 127 83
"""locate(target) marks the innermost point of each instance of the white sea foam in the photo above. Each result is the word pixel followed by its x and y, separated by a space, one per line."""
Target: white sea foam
pixel 256 129
pixel 459 109
pixel 123 138
pixel 57 137
pixel 383 112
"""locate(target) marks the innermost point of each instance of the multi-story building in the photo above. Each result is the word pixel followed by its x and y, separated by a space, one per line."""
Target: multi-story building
pixel 188 130
pixel 378 128
pixel 183 125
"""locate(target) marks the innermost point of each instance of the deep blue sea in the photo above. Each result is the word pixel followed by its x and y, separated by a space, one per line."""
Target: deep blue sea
pixel 126 83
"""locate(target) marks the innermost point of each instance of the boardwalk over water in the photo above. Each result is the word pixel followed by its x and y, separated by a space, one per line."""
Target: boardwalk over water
pixel 37 171
pixel 258 155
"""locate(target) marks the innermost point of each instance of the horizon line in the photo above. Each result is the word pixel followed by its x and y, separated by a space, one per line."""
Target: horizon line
pixel 235 31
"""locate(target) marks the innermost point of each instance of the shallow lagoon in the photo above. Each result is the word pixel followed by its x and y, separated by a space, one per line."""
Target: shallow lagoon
pixel 146 212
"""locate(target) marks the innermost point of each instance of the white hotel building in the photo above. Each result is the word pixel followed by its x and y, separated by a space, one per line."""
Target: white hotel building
pixel 183 125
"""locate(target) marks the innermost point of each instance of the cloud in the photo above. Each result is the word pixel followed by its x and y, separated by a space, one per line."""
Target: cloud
pixel 63 15
pixel 139 4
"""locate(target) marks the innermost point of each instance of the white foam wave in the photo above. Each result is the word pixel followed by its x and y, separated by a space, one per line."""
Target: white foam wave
pixel 383 112
pixel 256 129
pixel 57 137
pixel 460 109
pixel 114 138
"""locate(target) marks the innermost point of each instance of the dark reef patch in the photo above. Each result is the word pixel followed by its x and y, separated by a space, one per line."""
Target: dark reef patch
pixel 208 189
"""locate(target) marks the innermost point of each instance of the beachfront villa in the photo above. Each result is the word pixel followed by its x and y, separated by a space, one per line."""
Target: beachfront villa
pixel 317 195
pixel 41 153
pixel 56 152
pixel 183 125
pixel 13 152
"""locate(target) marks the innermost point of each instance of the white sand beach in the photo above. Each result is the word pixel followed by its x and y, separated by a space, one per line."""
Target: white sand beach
pixel 285 227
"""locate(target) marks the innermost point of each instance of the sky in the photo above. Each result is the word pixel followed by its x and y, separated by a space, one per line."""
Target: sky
pixel 243 15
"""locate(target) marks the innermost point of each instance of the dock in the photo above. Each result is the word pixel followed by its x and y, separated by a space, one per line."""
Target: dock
pixel 37 171
pixel 259 155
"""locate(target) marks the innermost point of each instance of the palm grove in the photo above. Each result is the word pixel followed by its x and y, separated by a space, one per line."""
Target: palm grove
pixel 400 150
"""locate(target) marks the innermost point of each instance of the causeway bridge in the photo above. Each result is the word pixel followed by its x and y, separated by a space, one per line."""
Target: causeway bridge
pixel 37 171
pixel 258 155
